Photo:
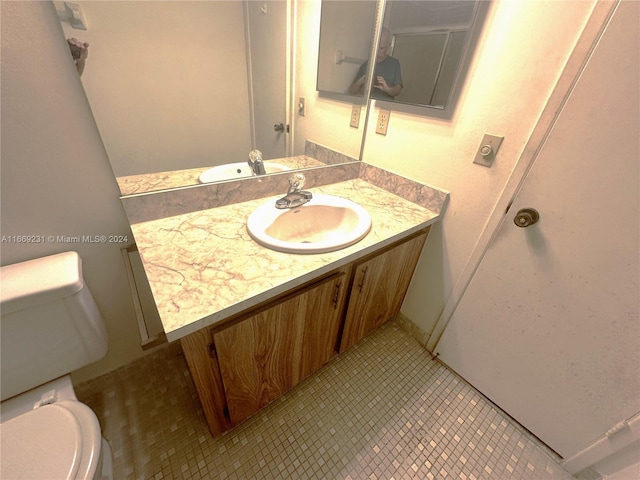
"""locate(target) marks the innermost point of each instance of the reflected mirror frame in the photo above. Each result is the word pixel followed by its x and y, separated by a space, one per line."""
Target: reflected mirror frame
pixel 477 22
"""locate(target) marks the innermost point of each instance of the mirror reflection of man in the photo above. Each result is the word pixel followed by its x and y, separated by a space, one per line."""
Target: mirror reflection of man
pixel 387 76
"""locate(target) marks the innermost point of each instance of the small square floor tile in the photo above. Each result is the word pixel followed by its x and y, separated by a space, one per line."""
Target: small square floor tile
pixel 382 410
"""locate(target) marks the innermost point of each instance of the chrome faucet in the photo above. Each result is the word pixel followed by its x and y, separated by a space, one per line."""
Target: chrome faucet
pixel 256 163
pixel 295 195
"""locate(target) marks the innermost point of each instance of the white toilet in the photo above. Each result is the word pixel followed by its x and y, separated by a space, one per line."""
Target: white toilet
pixel 50 326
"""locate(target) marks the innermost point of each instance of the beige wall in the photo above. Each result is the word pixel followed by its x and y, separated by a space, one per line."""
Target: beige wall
pixel 522 51
pixel 56 178
pixel 327 120
pixel 167 82
pixel 354 41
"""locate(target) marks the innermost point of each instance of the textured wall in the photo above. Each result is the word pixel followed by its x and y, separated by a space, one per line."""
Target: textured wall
pixel 167 83
pixel 56 178
pixel 523 48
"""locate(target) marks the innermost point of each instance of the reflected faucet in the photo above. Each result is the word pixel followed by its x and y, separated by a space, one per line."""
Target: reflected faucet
pixel 256 163
pixel 295 195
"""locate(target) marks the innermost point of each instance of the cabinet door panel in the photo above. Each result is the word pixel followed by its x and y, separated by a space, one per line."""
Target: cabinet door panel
pixel 205 373
pixel 266 354
pixel 379 287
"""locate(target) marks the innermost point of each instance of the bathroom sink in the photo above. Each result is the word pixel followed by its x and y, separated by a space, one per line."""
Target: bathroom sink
pixel 324 224
pixel 232 171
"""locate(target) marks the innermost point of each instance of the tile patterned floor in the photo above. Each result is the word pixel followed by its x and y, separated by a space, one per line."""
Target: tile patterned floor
pixel 382 410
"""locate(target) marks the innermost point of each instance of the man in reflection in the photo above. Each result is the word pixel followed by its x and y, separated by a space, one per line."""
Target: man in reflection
pixel 387 77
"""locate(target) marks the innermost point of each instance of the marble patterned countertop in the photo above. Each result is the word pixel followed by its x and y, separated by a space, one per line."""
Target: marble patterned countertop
pixel 203 266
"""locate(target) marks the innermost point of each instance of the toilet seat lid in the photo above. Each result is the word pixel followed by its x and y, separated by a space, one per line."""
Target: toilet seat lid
pixel 43 443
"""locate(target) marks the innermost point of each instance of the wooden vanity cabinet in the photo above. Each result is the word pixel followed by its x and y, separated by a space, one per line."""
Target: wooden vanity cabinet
pixel 379 287
pixel 267 354
pixel 254 358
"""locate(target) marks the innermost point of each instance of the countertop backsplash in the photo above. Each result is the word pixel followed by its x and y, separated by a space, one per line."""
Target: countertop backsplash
pixel 152 206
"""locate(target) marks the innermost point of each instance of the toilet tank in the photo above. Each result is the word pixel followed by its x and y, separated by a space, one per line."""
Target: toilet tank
pixel 50 323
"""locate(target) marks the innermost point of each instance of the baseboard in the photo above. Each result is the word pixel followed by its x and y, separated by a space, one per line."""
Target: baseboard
pixel 416 332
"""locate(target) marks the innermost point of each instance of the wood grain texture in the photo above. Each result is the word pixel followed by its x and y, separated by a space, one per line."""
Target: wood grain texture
pixel 267 354
pixel 205 373
pixel 379 287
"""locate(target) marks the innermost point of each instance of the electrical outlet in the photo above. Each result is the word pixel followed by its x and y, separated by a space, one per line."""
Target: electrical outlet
pixel 383 122
pixel 355 116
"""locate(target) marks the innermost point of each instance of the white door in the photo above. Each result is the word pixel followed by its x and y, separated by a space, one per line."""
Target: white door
pixel 267 35
pixel 548 328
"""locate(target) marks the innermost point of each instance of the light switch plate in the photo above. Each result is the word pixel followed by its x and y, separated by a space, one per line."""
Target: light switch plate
pixel 76 15
pixel 383 122
pixel 488 149
pixel 355 116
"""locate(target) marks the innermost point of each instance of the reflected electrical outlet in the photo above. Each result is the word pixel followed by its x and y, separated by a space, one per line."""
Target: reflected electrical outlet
pixel 383 122
pixel 355 116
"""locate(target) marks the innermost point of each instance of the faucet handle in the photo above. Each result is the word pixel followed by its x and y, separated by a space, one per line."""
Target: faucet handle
pixel 296 182
pixel 255 156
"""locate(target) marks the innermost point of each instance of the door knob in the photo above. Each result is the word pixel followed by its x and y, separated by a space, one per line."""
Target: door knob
pixel 526 217
pixel 279 127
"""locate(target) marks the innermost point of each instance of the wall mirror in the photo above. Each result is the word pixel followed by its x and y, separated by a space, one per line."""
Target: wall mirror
pixel 347 31
pixel 180 86
pixel 433 42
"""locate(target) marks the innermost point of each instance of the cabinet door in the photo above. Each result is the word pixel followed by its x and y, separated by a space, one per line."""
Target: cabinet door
pixel 379 287
pixel 268 353
pixel 205 372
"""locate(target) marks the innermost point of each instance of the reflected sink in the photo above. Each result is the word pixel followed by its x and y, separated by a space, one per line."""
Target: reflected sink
pixel 324 224
pixel 231 171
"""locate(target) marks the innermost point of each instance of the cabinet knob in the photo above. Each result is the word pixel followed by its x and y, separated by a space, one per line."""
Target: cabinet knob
pixel 336 296
pixel 364 275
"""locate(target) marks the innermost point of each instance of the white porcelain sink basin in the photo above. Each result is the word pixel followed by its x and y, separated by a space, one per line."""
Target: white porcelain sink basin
pixel 324 224
pixel 232 171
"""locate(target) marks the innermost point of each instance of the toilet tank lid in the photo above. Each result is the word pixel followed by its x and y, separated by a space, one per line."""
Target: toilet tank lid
pixel 39 281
